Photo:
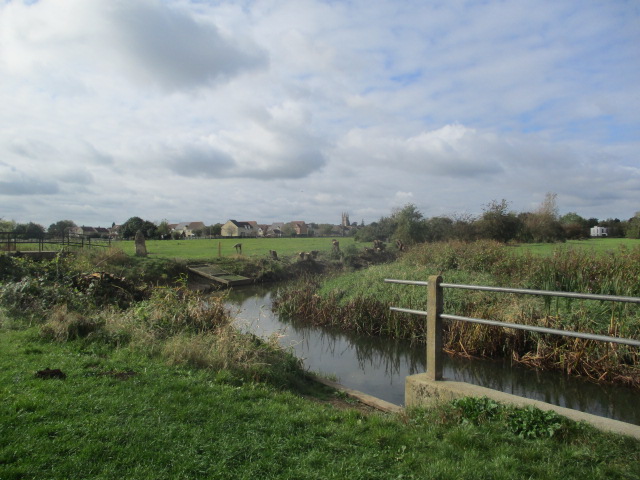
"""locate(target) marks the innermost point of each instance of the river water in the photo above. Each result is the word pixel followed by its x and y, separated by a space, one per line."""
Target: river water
pixel 378 366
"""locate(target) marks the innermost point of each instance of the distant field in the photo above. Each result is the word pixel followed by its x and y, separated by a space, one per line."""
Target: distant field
pixel 256 247
pixel 251 247
pixel 598 245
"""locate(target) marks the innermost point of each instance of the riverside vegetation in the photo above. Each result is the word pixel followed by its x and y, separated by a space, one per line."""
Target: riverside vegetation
pixel 153 381
pixel 360 301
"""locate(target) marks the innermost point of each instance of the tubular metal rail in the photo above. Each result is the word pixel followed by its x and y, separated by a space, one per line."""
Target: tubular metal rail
pixel 435 315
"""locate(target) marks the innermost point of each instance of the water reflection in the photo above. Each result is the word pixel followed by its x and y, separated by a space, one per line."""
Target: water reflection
pixel 379 366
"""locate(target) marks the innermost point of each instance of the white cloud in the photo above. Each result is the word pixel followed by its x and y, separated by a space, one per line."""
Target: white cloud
pixel 148 41
pixel 288 109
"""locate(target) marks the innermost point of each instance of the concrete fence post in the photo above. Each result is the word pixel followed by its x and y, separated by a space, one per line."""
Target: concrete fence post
pixel 434 328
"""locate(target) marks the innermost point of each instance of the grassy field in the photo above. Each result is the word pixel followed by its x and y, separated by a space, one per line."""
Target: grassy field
pixel 121 414
pixel 207 249
pixel 597 245
pixel 251 247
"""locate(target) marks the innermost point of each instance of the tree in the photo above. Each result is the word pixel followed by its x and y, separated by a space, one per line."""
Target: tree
pixel 632 228
pixel 325 229
pixel 438 229
pixel 614 226
pixel 60 228
pixel 131 226
pixel 30 230
pixel 288 230
pixel 575 227
pixel 163 231
pixel 465 227
pixel 216 229
pixel 498 223
pixel 7 225
pixel 543 225
pixel 410 227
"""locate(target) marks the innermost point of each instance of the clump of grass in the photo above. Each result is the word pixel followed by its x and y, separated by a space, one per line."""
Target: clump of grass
pixel 64 325
pixel 170 311
pixel 228 350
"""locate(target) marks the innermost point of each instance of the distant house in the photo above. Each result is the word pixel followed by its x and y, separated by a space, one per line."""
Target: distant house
pixel 300 228
pixel 599 232
pixel 264 231
pixel 234 228
pixel 276 229
pixel 187 229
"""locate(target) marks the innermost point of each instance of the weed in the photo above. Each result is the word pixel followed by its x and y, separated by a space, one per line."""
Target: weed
pixel 476 410
pixel 64 325
pixel 532 422
pixel 528 422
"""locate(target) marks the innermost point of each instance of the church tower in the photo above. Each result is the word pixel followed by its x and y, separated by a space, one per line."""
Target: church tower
pixel 345 219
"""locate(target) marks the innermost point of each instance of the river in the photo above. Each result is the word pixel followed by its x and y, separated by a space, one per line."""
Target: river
pixel 378 366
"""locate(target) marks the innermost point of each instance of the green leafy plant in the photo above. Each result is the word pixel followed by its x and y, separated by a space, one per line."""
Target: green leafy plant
pixel 531 422
pixel 476 410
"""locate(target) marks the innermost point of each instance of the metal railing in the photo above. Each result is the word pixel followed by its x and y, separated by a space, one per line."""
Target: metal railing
pixel 435 315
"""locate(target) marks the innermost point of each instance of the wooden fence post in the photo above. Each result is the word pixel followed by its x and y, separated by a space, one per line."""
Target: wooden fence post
pixel 434 328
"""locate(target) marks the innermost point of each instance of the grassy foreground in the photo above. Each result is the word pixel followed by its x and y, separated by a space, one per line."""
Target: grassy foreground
pixel 155 382
pixel 122 414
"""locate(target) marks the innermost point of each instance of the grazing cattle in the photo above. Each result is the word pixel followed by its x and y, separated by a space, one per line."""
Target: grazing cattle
pixel 238 247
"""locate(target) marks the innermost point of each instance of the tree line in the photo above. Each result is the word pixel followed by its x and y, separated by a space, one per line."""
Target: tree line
pixel 127 230
pixel 407 224
pixel 497 222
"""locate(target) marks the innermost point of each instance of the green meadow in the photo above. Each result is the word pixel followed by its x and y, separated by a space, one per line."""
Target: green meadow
pixel 203 249
pixel 595 245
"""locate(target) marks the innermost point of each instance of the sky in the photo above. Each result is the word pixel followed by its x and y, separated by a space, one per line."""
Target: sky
pixel 282 110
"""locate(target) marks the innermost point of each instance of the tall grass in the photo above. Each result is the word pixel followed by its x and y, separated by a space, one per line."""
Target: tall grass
pixel 172 322
pixel 361 300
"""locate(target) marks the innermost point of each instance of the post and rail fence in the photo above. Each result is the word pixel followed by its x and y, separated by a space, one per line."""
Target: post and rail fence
pixel 435 315
pixel 13 242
